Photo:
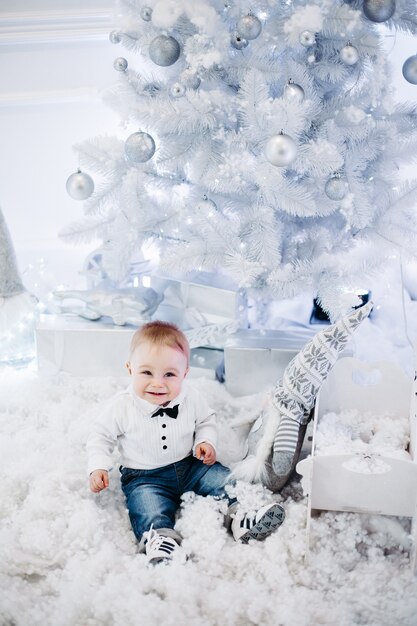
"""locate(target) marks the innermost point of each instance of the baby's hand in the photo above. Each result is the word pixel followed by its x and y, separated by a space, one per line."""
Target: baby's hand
pixel 99 479
pixel 206 453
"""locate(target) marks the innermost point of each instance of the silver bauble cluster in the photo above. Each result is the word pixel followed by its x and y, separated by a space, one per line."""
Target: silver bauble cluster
pixel 410 70
pixel 379 10
pixel 349 54
pixel 139 147
pixel 280 150
pixel 80 185
pixel 249 27
pixel 164 50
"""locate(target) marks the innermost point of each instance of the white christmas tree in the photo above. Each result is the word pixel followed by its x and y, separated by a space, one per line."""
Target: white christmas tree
pixel 261 140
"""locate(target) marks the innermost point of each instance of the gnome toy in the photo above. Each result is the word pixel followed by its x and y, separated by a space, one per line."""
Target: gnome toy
pixel 275 440
pixel 17 307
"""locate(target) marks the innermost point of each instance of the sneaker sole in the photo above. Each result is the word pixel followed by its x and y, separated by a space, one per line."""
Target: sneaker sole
pixel 266 525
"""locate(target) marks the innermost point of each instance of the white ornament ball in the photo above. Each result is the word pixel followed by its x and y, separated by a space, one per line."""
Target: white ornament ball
pixel 177 90
pixel 336 188
pixel 349 54
pixel 115 36
pixel 80 185
pixel 164 50
pixel 307 38
pixel 139 147
pixel 249 27
pixel 293 92
pixel 410 70
pixel 238 41
pixel 146 14
pixel 280 150
pixel 120 64
pixel 379 10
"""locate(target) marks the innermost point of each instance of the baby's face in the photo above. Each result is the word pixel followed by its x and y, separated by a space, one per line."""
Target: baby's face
pixel 157 372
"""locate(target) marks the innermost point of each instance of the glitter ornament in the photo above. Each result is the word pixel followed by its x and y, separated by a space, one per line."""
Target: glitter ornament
pixel 80 185
pixel 307 38
pixel 115 36
pixel 293 92
pixel 379 10
pixel 410 70
pixel 349 54
pixel 146 14
pixel 238 41
pixel 336 188
pixel 139 147
pixel 249 27
pixel 280 150
pixel 164 50
pixel 120 64
pixel 177 90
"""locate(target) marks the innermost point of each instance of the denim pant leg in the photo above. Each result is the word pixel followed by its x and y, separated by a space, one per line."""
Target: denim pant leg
pixel 208 480
pixel 152 498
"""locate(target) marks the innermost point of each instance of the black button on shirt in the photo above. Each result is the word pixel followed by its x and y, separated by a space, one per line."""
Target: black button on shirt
pixel 164 447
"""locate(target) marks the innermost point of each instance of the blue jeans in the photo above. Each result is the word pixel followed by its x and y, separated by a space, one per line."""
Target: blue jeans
pixel 154 496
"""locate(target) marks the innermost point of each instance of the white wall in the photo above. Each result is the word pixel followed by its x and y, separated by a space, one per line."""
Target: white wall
pixel 55 58
pixel 53 63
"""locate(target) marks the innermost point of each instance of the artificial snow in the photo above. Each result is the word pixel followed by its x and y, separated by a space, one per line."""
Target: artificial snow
pixel 69 557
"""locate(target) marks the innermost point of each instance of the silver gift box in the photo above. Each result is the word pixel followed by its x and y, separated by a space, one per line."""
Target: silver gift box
pixel 256 359
pixel 193 304
pixel 84 348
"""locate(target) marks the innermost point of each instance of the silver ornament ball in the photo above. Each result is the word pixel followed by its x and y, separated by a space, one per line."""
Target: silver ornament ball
pixel 249 27
pixel 120 64
pixel 307 38
pixel 410 70
pixel 379 10
pixel 139 147
pixel 293 92
pixel 80 185
pixel 191 81
pixel 238 41
pixel 177 90
pixel 349 54
pixel 336 188
pixel 115 36
pixel 280 150
pixel 146 14
pixel 164 50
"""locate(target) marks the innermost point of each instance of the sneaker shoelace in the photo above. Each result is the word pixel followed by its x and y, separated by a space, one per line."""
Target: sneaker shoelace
pixel 159 542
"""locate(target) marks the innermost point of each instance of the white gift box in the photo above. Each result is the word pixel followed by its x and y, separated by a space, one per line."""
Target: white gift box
pixel 256 359
pixel 84 348
pixel 373 483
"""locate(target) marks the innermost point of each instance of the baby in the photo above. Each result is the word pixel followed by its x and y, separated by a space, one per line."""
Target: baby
pixel 166 435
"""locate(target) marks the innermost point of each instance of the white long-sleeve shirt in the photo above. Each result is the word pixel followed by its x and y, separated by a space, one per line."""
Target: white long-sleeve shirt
pixel 147 442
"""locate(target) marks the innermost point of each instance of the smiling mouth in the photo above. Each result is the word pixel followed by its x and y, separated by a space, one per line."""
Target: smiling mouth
pixel 157 393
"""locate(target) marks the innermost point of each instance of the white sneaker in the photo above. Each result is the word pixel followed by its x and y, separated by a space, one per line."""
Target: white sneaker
pixel 258 525
pixel 158 547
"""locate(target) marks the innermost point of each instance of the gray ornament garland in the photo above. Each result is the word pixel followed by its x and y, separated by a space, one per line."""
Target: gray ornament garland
pixel 379 10
pixel 164 50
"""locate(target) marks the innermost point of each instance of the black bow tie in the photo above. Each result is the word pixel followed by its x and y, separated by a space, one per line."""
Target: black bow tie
pixel 170 412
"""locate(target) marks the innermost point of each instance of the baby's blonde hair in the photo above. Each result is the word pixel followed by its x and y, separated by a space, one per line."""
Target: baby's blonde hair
pixel 161 334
